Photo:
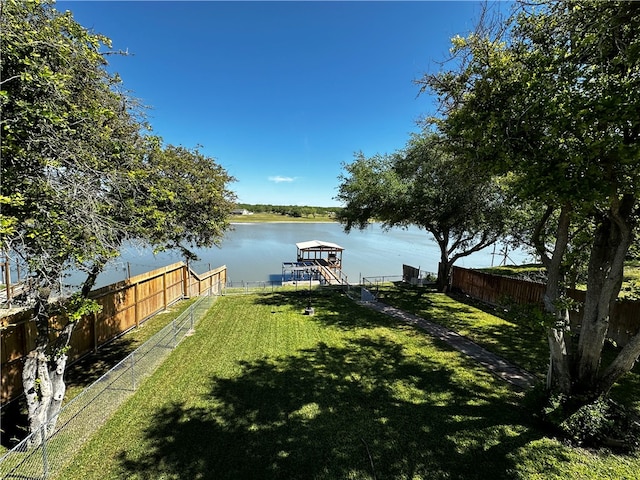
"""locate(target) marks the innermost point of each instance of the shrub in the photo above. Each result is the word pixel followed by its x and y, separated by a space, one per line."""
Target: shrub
pixel 600 423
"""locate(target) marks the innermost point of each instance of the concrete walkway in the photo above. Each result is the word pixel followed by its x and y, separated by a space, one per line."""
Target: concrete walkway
pixel 492 362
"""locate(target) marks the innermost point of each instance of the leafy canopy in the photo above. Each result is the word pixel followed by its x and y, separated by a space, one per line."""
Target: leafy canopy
pixel 427 186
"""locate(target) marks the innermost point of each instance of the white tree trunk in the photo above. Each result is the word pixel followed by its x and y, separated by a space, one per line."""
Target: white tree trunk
pixel 37 388
pixel 559 378
pixel 43 372
pixel 44 388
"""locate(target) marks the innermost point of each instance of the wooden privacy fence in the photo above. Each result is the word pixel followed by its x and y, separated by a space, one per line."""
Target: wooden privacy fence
pixel 125 305
pixel 624 322
pixel 410 274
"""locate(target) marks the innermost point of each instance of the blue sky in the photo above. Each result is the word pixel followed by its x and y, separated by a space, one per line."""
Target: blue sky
pixel 281 94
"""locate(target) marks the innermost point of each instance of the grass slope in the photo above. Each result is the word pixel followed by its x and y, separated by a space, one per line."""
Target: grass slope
pixel 264 392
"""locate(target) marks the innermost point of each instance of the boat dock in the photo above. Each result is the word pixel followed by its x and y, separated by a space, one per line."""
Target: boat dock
pixel 316 261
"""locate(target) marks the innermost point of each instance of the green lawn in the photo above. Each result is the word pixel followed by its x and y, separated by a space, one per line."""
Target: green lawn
pixel 264 392
pixel 90 368
pixel 522 345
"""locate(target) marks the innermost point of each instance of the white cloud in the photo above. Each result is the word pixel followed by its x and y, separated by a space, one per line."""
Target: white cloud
pixel 281 179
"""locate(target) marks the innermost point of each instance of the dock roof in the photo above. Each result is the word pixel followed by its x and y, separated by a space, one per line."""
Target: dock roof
pixel 317 244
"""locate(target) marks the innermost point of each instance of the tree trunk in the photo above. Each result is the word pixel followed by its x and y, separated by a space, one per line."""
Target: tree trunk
pixel 37 388
pixel 622 364
pixel 559 348
pixel 444 267
pixel 606 268
pixel 611 244
pixel 44 367
pixel 559 378
pixel 41 374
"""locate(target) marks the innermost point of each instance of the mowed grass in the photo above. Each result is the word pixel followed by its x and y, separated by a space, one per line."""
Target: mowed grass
pixel 90 368
pixel 522 345
pixel 262 391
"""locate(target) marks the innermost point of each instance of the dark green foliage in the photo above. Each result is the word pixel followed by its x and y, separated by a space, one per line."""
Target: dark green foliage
pixel 425 185
pixel 81 175
pixel 598 423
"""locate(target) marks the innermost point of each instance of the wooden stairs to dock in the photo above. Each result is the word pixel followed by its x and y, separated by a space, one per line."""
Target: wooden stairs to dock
pixel 329 275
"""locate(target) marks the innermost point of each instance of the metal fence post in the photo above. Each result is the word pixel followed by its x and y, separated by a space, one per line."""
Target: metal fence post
pixel 45 459
pixel 191 314
pixel 175 334
pixel 133 371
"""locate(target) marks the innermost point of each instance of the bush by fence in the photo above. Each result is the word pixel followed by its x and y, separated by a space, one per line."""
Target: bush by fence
pixel 495 289
pixel 125 305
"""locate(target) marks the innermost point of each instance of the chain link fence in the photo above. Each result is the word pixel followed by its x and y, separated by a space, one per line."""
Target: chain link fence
pixel 41 457
pixel 243 287
pixel 246 288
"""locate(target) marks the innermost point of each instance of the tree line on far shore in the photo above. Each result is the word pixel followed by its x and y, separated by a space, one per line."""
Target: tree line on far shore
pixel 290 210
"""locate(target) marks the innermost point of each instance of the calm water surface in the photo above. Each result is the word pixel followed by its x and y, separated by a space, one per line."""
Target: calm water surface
pixel 255 252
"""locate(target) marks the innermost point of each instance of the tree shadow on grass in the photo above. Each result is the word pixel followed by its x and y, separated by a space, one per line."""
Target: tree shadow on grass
pixel 86 370
pixel 368 409
pixel 331 308
pixel 91 367
pixel 404 293
pixel 78 376
pixel 519 344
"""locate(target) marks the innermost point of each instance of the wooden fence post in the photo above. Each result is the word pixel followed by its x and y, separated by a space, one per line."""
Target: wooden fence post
pixel 7 279
pixel 135 304
pixel 185 281
pixel 164 289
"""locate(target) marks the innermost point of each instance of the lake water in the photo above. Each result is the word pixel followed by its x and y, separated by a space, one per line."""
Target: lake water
pixel 255 252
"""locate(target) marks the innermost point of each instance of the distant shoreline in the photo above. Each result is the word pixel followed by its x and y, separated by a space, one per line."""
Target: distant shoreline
pixel 283 221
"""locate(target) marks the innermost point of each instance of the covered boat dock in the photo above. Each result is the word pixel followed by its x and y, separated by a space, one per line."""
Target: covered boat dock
pixel 316 260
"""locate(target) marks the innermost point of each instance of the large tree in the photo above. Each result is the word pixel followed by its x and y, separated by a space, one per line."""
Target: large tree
pixel 425 185
pixel 552 101
pixel 80 175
